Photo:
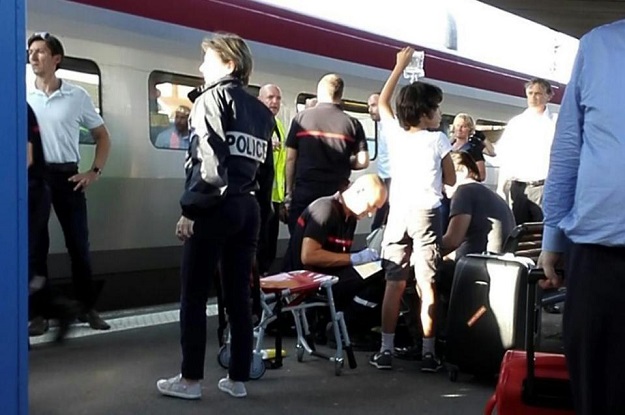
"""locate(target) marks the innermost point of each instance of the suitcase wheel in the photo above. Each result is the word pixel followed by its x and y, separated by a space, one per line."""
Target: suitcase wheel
pixel 258 368
pixel 223 357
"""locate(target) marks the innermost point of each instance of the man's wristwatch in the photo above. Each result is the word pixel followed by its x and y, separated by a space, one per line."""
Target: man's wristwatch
pixel 97 171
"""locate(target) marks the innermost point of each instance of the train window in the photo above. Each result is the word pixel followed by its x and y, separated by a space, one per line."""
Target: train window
pixel 491 129
pixel 446 122
pixel 81 72
pixel 170 106
pixel 355 109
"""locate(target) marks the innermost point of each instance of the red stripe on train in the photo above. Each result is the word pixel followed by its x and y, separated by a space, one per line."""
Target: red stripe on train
pixel 307 34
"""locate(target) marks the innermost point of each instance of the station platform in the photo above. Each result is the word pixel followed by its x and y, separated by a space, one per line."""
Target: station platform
pixel 115 373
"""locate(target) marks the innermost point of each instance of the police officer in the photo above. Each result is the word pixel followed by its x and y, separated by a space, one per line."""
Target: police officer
pixel 220 215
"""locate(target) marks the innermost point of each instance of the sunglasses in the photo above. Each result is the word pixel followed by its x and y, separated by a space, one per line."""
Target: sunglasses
pixel 42 35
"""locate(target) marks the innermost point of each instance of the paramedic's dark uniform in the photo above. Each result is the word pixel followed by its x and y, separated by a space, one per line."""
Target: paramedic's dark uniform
pixel 325 139
pixel 325 221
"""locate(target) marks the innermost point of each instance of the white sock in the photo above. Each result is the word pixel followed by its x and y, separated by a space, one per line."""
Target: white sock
pixel 388 342
pixel 429 344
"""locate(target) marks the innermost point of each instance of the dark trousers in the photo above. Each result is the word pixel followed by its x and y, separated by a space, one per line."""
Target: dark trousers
pixel 445 210
pixel 594 328
pixel 350 283
pixel 38 214
pixel 268 241
pixel 381 215
pixel 227 235
pixel 527 201
pixel 71 209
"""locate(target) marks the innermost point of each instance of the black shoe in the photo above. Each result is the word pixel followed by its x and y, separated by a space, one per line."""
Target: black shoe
pixel 38 326
pixel 65 311
pixel 382 360
pixel 430 363
pixel 95 321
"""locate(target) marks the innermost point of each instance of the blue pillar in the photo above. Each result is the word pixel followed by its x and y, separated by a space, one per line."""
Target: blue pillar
pixel 13 212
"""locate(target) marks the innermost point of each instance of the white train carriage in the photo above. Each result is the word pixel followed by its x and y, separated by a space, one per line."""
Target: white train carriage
pixel 139 59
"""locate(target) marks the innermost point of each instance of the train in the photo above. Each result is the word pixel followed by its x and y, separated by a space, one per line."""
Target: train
pixel 139 59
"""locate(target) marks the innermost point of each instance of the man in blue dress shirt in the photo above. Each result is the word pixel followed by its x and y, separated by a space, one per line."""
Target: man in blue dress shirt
pixel 584 219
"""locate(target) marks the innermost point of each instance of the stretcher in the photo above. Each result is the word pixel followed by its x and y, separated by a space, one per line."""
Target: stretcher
pixel 296 292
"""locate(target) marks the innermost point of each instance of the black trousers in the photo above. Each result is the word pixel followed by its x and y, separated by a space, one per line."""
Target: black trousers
pixel 594 328
pixel 268 241
pixel 38 213
pixel 71 209
pixel 228 235
pixel 527 201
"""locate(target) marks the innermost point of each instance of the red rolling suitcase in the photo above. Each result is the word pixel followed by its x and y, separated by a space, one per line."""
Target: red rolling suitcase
pixel 532 383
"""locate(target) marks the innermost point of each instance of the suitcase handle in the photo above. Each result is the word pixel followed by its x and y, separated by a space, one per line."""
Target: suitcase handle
pixel 533 277
pixel 560 390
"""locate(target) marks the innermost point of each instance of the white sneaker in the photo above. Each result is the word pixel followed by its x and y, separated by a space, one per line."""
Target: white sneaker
pixel 236 389
pixel 177 388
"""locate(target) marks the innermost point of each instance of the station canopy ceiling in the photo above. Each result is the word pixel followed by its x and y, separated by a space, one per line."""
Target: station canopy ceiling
pixel 573 17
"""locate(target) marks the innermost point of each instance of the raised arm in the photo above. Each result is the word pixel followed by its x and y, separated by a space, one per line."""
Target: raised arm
pixel 384 105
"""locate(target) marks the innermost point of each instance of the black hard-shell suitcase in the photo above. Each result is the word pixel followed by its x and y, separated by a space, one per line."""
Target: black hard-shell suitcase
pixel 486 315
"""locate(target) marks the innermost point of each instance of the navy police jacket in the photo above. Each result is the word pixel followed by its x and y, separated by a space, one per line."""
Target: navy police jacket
pixel 231 139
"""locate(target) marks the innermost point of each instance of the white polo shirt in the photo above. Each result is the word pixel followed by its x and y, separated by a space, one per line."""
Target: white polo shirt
pixel 60 117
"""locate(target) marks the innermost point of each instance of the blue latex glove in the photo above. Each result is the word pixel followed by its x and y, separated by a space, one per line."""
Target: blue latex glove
pixel 364 256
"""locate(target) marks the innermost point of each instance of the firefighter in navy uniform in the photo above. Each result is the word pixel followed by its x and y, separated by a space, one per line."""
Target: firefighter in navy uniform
pixel 220 213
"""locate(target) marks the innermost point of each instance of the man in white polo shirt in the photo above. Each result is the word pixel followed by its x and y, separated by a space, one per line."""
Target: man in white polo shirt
pixel 62 109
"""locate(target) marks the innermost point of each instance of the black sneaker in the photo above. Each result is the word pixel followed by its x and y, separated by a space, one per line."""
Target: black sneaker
pixel 430 363
pixel 382 360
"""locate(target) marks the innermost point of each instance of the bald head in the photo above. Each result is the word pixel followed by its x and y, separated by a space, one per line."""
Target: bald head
pixel 271 96
pixel 181 119
pixel 365 195
pixel 330 89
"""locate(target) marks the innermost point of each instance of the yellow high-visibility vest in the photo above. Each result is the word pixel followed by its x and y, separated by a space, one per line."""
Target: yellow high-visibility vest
pixel 279 166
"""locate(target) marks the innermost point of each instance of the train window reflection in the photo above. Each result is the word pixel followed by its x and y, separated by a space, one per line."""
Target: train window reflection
pixel 82 72
pixel 355 109
pixel 170 106
pixel 491 129
pixel 446 123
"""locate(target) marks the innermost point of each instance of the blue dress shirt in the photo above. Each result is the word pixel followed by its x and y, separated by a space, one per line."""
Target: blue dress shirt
pixel 584 197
